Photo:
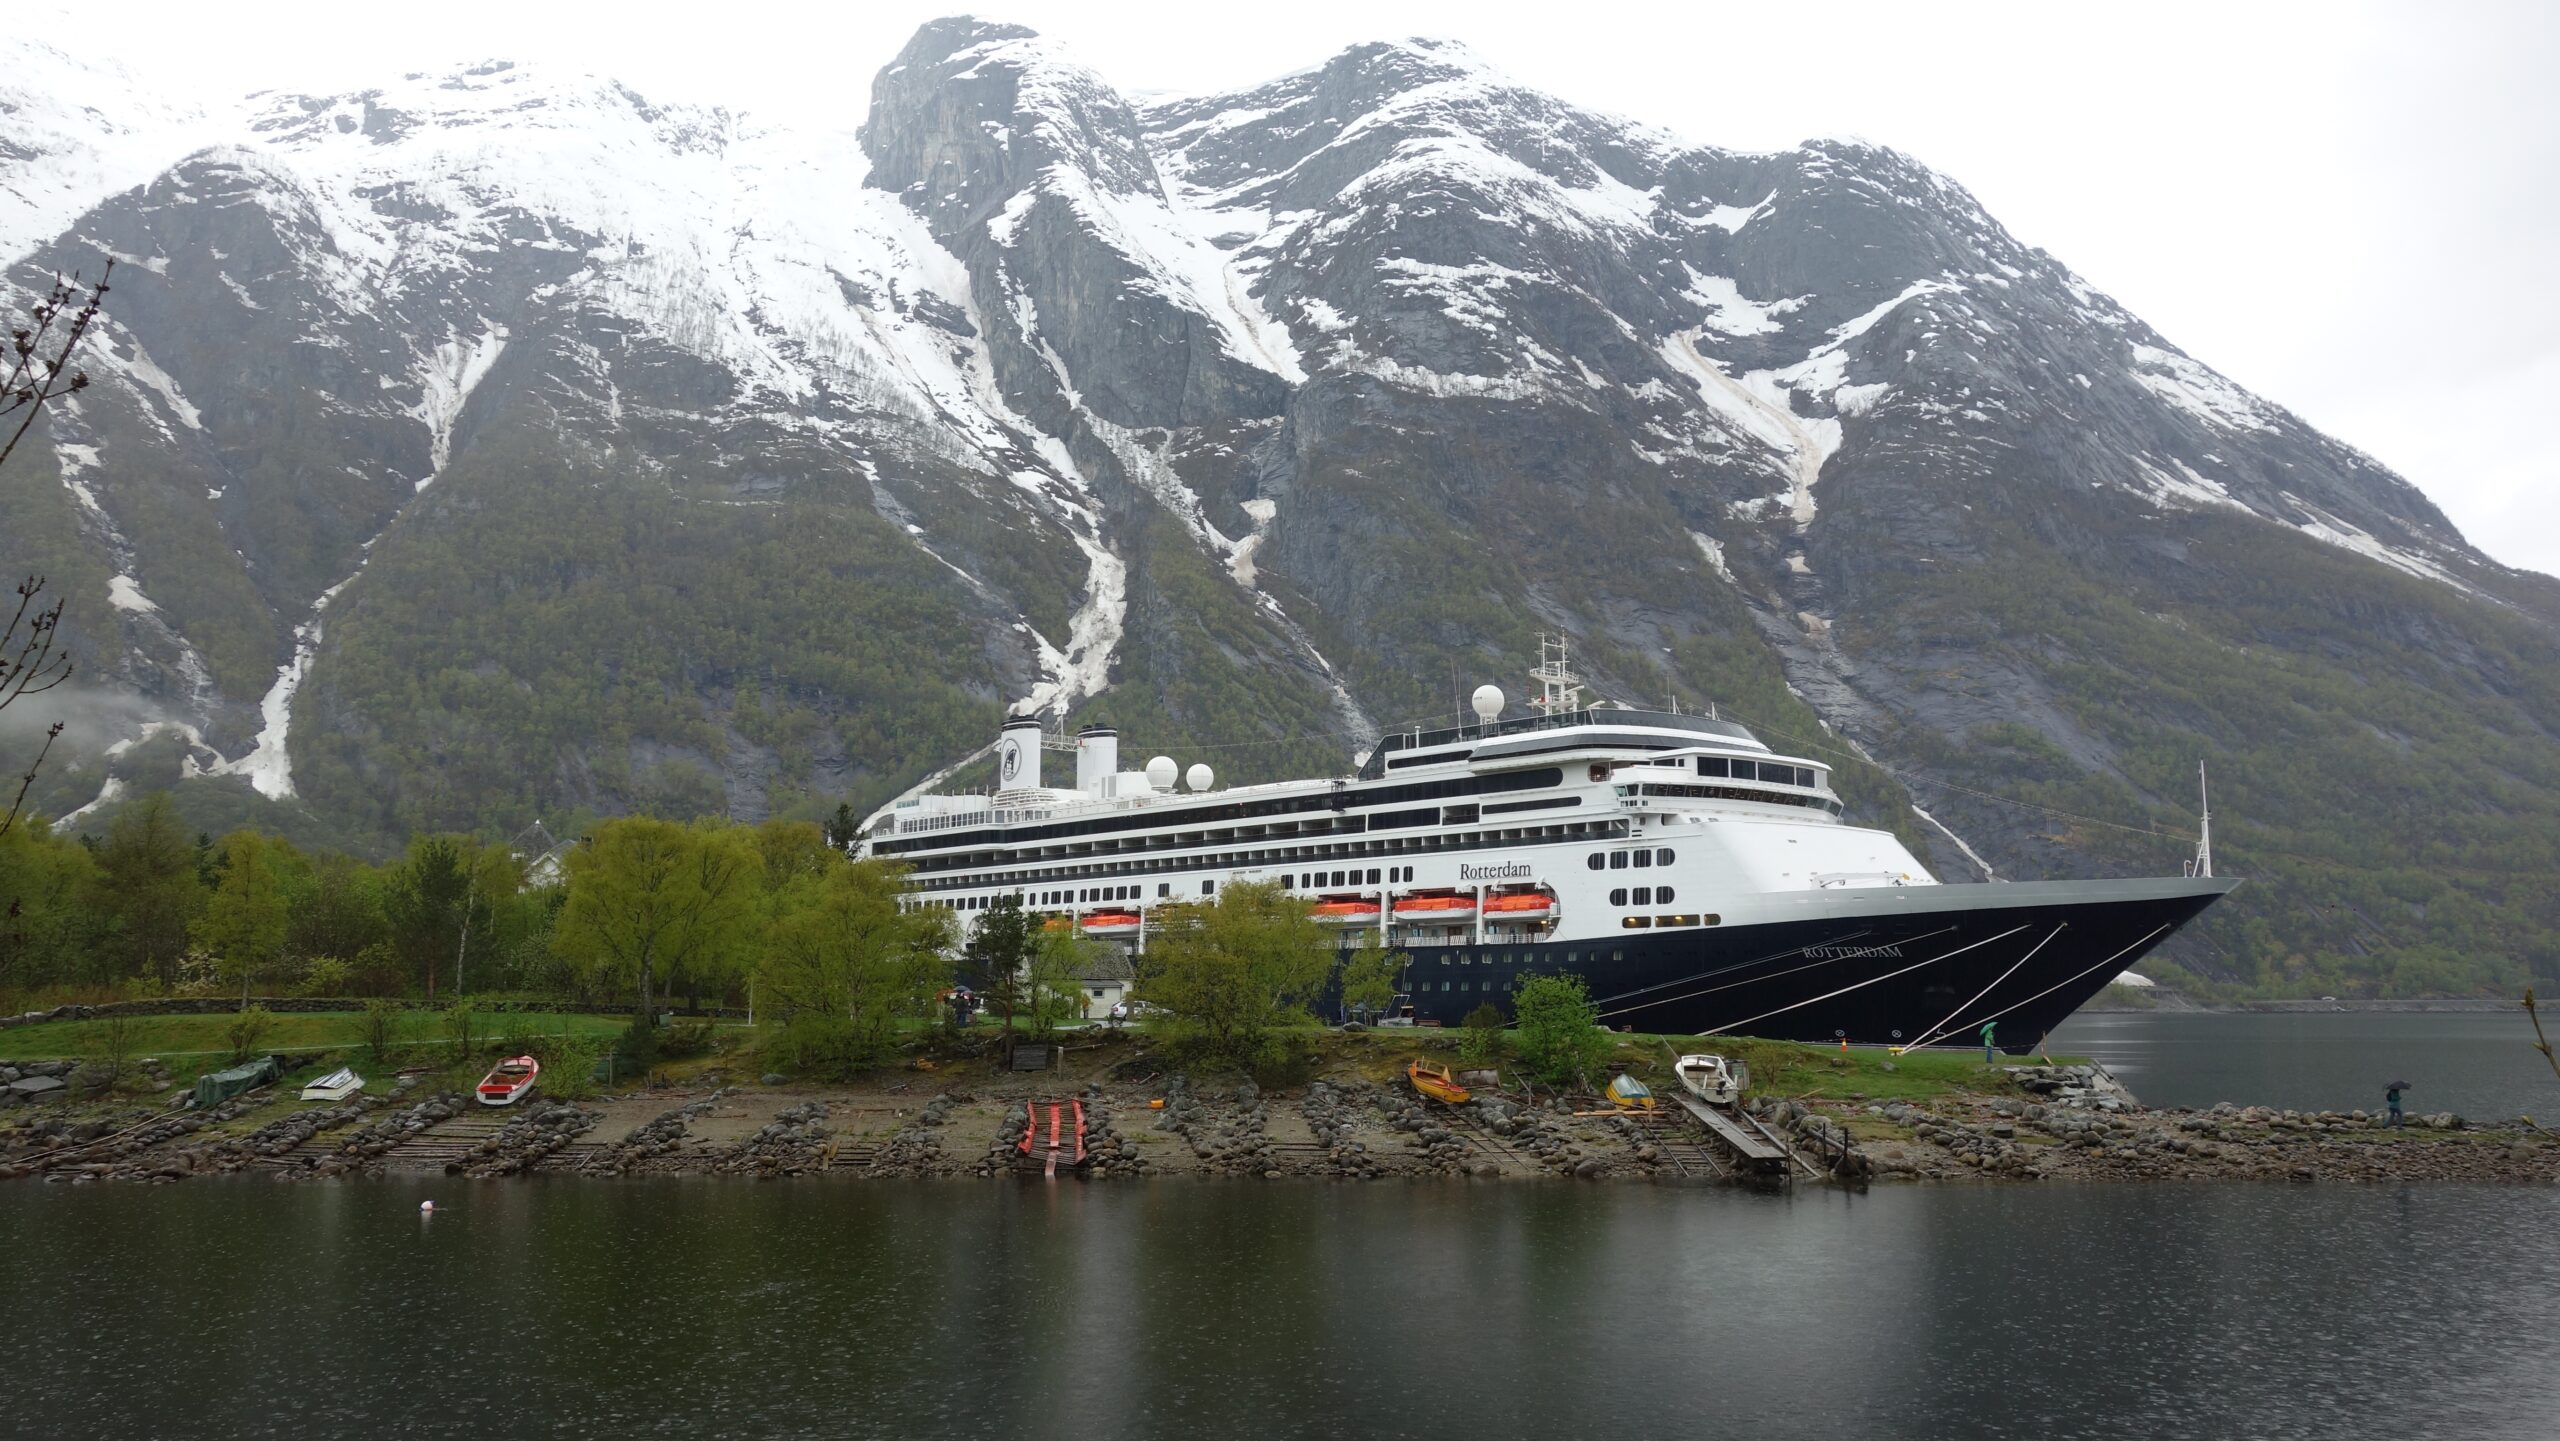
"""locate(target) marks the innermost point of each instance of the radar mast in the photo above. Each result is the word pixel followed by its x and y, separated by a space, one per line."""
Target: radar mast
pixel 1559 689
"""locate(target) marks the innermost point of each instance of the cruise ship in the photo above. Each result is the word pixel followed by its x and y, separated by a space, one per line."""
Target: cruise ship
pixel 1698 881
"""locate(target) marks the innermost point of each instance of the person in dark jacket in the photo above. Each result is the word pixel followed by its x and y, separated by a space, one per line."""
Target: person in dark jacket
pixel 2392 1098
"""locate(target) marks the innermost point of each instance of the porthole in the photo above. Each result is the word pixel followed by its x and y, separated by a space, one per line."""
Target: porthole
pixel 1618 897
pixel 1662 895
pixel 1662 857
pixel 1617 860
pixel 1598 860
pixel 1644 858
pixel 1644 895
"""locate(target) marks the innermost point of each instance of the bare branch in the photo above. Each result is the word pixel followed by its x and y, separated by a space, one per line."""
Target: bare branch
pixel 35 376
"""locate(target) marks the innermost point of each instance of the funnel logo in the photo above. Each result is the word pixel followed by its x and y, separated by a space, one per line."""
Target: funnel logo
pixel 1012 760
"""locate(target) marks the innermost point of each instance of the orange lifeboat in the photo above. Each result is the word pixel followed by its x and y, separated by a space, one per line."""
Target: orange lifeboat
pixel 1520 906
pixel 1436 910
pixel 1345 913
pixel 1111 923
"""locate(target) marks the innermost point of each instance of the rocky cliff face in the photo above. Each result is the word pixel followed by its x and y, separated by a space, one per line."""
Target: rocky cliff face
pixel 497 443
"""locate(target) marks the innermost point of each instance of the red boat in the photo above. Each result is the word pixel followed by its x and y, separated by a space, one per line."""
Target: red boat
pixel 1064 1143
pixel 510 1081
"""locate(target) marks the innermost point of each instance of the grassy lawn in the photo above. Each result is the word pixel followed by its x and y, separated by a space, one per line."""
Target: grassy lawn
pixel 191 1044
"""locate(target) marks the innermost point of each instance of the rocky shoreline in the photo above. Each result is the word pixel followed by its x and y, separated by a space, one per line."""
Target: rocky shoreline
pixel 2063 1123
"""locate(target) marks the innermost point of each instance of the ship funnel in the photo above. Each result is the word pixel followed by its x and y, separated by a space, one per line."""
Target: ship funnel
pixel 1097 758
pixel 1018 754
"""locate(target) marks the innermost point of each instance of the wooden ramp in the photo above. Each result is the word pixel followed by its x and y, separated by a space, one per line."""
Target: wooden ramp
pixel 445 1141
pixel 1753 1146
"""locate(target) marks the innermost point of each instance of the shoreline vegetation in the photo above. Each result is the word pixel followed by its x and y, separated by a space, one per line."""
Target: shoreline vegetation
pixel 738 1000
pixel 1341 1109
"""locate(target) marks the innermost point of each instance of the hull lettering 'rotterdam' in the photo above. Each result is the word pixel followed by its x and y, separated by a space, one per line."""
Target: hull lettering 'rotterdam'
pixel 1697 882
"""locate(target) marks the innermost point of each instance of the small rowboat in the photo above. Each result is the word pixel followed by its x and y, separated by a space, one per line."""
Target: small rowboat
pixel 509 1081
pixel 1436 910
pixel 1437 1083
pixel 338 1085
pixel 1521 906
pixel 1629 1094
pixel 1713 1079
pixel 1345 913
pixel 1111 923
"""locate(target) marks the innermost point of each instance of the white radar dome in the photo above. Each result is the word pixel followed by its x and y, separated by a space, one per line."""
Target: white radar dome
pixel 1160 773
pixel 1487 701
pixel 1200 777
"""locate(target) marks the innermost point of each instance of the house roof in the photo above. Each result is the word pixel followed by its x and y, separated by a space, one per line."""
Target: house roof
pixel 1105 964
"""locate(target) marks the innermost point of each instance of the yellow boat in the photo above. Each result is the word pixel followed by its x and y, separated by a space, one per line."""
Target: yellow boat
pixel 1629 1094
pixel 1437 1083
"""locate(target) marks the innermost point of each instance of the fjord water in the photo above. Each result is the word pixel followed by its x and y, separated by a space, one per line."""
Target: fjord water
pixel 1214 1309
pixel 2479 1064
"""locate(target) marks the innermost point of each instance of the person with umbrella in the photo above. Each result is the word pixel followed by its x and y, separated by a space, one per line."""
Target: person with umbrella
pixel 2391 1096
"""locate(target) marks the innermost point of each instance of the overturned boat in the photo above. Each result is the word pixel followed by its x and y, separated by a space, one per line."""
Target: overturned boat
pixel 338 1085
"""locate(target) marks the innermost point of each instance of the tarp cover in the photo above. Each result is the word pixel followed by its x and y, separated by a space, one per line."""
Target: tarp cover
pixel 215 1087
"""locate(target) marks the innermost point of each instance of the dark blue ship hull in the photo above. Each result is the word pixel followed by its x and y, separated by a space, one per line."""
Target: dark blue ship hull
pixel 1899 966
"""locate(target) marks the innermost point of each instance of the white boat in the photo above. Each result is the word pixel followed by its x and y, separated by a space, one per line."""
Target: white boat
pixel 509 1081
pixel 335 1086
pixel 1713 1079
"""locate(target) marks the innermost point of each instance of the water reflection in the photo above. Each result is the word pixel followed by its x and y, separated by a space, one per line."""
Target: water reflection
pixel 1279 1310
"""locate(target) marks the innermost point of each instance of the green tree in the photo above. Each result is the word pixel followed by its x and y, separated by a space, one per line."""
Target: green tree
pixel 1558 1030
pixel 1052 994
pixel 337 910
pixel 651 901
pixel 48 927
pixel 998 954
pixel 378 1028
pixel 247 1028
pixel 426 899
pixel 1481 1040
pixel 1369 980
pixel 1229 973
pixel 845 962
pixel 244 920
pixel 148 886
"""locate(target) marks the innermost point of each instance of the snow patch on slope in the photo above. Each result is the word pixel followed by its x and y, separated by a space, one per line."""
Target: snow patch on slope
pixel 446 379
pixel 2197 390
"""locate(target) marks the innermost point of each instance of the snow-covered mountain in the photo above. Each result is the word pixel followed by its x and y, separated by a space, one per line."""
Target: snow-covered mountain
pixel 502 443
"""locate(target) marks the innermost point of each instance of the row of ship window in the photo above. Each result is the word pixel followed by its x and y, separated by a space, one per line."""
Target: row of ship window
pixel 1767 771
pixel 1621 860
pixel 1644 896
pixel 1349 846
pixel 1085 895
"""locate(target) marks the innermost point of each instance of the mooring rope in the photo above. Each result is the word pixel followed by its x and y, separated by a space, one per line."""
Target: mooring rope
pixel 1871 980
pixel 1933 1032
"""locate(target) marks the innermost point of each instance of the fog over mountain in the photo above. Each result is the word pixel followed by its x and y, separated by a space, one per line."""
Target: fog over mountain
pixel 500 444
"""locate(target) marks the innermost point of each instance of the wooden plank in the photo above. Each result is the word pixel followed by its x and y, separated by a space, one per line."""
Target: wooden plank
pixel 1751 1147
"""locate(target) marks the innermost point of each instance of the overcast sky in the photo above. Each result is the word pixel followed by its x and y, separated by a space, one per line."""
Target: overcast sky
pixel 2347 208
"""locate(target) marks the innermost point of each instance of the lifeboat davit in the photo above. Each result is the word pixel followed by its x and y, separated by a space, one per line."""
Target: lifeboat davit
pixel 1520 906
pixel 1111 923
pixel 1345 913
pixel 1436 910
